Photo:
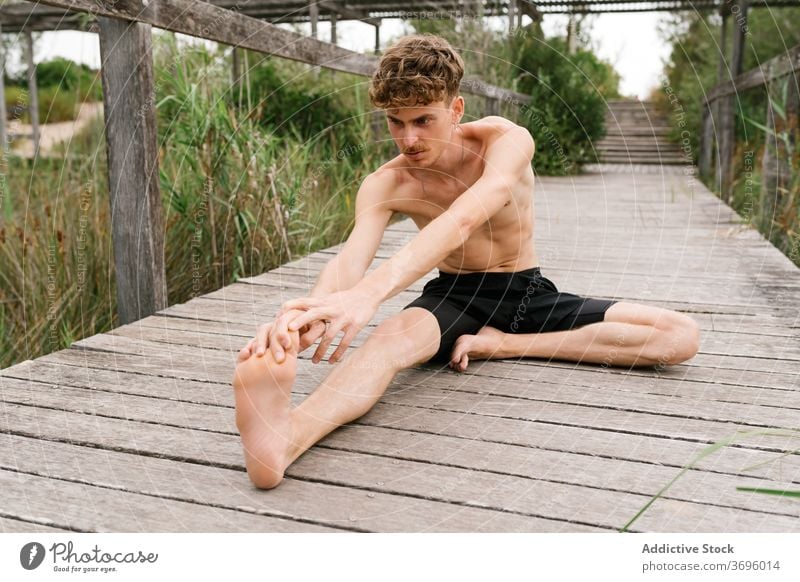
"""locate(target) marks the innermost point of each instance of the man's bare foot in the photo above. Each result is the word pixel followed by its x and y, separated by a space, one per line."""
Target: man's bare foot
pixel 262 389
pixel 483 346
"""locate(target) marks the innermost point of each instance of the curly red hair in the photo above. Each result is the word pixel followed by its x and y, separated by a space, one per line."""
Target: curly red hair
pixel 416 70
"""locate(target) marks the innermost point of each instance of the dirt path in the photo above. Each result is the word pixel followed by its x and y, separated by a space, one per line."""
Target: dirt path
pixel 53 133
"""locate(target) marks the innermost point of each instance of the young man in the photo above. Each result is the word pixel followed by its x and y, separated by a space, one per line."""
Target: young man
pixel 469 189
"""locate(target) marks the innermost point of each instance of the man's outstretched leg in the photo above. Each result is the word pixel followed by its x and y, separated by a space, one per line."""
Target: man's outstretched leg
pixel 629 335
pixel 274 435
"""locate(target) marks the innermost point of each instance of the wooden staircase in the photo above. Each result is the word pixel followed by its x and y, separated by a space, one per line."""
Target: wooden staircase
pixel 636 133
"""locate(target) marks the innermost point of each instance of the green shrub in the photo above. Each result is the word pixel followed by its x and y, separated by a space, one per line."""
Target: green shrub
pixel 566 114
pixel 62 85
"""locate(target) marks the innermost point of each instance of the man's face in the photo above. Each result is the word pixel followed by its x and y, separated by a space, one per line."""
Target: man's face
pixel 422 133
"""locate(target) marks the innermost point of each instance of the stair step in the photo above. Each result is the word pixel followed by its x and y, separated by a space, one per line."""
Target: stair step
pixel 641 160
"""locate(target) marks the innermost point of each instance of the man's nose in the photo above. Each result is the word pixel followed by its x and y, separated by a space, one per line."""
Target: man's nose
pixel 409 139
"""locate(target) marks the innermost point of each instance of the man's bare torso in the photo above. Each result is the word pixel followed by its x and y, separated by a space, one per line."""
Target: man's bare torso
pixel 505 242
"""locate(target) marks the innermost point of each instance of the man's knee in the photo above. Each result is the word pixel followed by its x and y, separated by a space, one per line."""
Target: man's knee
pixel 404 340
pixel 680 339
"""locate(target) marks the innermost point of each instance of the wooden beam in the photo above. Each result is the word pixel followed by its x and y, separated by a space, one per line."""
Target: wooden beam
pixel 3 130
pixel 228 27
pixel 779 66
pixel 334 40
pixel 137 226
pixel 378 37
pixel 237 29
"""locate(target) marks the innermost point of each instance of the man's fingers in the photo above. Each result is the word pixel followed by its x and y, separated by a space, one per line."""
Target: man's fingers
pixel 314 332
pixel 299 303
pixel 343 345
pixel 324 343
pixel 262 339
pixel 305 319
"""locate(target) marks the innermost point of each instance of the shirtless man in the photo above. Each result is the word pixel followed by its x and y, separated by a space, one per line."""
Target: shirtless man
pixel 469 189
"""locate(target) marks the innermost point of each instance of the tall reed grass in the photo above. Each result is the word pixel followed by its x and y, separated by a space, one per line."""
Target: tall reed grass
pixel 238 196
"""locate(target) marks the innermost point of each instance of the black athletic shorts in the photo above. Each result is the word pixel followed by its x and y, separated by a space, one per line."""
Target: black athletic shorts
pixel 521 302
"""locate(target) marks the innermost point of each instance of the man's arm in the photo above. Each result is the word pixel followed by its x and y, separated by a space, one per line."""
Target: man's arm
pixel 372 216
pixel 342 272
pixel 506 160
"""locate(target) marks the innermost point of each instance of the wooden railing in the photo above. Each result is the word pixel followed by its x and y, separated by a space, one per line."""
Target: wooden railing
pixel 719 118
pixel 131 137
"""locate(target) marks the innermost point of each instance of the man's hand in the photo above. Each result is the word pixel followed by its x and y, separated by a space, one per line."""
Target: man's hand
pixel 346 311
pixel 275 336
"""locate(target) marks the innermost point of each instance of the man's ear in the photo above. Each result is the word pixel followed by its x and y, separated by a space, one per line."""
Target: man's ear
pixel 457 108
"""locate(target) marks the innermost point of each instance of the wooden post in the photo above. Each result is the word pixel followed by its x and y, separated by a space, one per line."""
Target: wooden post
pixel 727 120
pixel 137 227
pixel 722 104
pixel 313 13
pixel 378 37
pixel 572 33
pixel 3 133
pixel 706 141
pixel 333 28
pixel 776 163
pixel 33 92
pixel 512 5
pixel 739 17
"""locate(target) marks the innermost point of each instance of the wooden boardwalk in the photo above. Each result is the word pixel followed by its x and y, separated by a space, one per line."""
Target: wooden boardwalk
pixel 134 430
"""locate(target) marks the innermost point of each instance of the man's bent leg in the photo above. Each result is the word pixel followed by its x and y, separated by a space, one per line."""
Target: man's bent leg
pixel 348 392
pixel 629 335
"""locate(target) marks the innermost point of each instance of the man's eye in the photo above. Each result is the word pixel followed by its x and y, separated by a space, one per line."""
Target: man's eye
pixel 395 122
pixel 423 121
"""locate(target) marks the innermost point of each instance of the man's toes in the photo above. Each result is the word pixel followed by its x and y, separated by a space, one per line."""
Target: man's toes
pixel 458 351
pixel 244 353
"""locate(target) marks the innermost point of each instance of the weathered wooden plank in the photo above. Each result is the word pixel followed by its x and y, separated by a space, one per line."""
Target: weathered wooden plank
pixel 680 418
pixel 693 418
pixel 562 466
pixel 465 487
pixel 381 513
pixel 11 525
pixel 620 389
pixel 361 509
pixel 672 451
pixel 137 226
pixel 378 470
pixel 88 508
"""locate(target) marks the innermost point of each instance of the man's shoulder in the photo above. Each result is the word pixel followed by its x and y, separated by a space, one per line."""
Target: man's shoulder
pixel 392 174
pixel 387 181
pixel 491 125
